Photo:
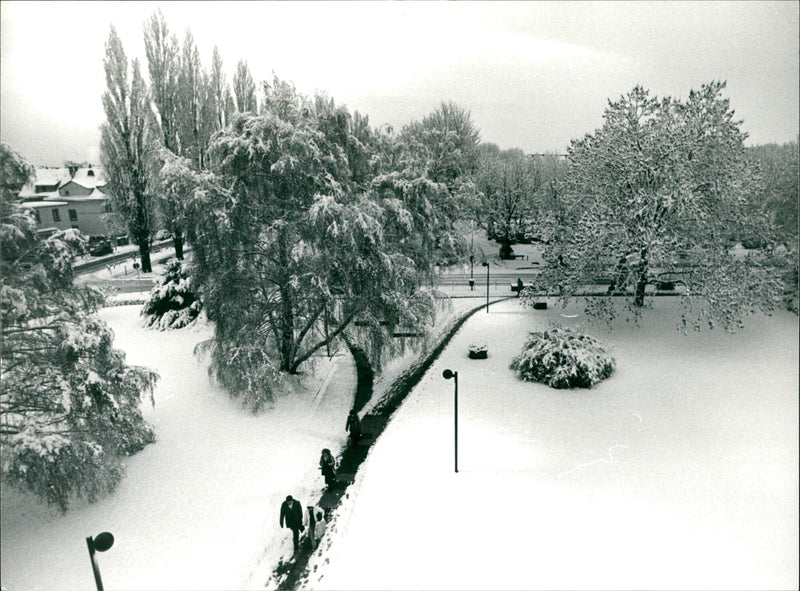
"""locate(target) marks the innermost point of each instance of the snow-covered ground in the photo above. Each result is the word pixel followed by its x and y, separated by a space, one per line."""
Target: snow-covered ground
pixel 199 508
pixel 679 472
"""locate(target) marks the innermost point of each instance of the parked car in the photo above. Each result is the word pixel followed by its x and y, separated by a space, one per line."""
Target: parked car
pixel 101 248
pixel 163 235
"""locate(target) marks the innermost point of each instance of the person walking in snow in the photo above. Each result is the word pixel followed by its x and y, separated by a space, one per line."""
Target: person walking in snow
pixel 292 515
pixel 319 526
pixel 354 427
pixel 316 526
pixel 328 467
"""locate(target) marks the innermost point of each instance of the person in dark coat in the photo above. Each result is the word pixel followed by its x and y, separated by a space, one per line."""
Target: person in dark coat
pixel 354 427
pixel 292 515
pixel 328 467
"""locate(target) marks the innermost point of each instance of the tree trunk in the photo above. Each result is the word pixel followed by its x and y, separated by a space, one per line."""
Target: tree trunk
pixel 641 280
pixel 177 242
pixel 287 333
pixel 144 255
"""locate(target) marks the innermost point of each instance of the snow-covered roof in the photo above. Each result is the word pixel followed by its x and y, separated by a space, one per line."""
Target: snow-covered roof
pixel 90 176
pixel 33 196
pixel 38 204
pixel 45 176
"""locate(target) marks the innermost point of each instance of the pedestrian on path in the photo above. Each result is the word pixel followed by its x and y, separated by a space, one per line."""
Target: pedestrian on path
pixel 316 526
pixel 319 525
pixel 328 467
pixel 354 427
pixel 292 515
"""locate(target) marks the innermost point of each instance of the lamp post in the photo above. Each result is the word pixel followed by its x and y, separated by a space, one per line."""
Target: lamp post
pixel 486 264
pixel 101 543
pixel 447 374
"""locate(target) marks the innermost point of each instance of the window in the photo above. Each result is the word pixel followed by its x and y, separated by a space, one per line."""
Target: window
pixel 90 172
pixel 38 217
pixel 73 215
pixel 56 215
pixel 66 192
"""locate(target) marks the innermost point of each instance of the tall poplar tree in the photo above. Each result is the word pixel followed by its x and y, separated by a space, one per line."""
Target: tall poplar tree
pixel 129 142
pixel 244 89
pixel 163 62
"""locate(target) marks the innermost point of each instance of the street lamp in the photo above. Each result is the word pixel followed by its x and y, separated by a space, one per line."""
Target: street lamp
pixel 447 374
pixel 101 543
pixel 486 264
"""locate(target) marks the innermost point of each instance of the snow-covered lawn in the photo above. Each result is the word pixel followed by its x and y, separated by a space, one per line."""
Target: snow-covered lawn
pixel 678 472
pixel 199 508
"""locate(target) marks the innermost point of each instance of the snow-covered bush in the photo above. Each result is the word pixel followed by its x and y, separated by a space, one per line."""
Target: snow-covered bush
pixel 563 358
pixel 173 302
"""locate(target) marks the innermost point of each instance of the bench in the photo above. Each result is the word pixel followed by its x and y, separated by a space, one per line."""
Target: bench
pixel 518 256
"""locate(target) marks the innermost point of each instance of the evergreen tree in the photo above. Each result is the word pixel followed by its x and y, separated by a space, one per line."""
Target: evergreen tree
pixel 69 405
pixel 129 141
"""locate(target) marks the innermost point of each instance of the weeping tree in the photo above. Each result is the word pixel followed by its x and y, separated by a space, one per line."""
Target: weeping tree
pixel 69 404
pixel 290 254
pixel 651 197
pixel 129 142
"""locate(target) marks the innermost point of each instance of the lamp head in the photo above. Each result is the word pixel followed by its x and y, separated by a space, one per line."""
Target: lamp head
pixel 447 374
pixel 485 263
pixel 103 541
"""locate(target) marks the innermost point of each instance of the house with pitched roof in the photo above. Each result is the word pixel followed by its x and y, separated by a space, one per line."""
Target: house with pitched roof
pixel 69 197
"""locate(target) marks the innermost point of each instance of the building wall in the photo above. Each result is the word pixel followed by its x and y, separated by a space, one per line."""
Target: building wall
pixel 73 189
pixel 87 216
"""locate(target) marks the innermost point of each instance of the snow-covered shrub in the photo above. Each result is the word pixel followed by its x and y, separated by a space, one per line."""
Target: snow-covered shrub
pixel 173 302
pixel 563 358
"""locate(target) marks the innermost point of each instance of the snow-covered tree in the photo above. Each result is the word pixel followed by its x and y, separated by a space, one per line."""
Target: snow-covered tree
pixel 511 185
pixel 69 405
pixel 289 252
pixel 653 194
pixel 174 302
pixel 129 143
pixel 163 62
pixel 244 89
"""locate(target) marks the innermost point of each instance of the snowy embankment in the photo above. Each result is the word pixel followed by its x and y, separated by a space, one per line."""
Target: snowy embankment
pixel 680 471
pixel 199 508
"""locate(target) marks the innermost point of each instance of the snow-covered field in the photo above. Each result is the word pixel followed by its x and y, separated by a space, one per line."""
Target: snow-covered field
pixel 679 472
pixel 199 508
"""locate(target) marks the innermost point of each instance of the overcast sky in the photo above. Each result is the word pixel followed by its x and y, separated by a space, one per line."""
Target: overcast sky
pixel 534 75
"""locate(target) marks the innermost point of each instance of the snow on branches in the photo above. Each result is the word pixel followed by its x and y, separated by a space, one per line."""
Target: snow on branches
pixel 563 358
pixel 173 302
pixel 656 193
pixel 69 405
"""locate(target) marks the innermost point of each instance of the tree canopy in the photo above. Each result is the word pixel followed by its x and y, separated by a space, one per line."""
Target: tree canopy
pixel 654 194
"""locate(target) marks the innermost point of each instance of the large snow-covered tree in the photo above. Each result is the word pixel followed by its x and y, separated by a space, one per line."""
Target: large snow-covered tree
pixel 69 405
pixel 129 143
pixel 653 195
pixel 290 253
